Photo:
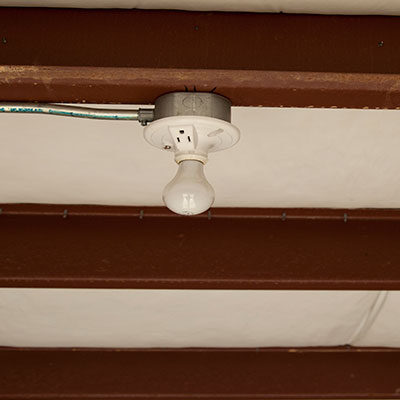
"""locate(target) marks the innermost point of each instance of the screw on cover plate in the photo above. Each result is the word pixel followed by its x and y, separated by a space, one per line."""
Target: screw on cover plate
pixel 167 147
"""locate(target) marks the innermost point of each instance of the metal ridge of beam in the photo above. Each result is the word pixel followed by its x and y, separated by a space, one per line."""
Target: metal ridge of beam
pixel 89 210
pixel 289 349
pixel 255 59
pixel 150 248
pixel 252 373
pixel 243 87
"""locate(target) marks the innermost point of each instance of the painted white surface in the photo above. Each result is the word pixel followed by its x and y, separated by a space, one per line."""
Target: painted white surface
pixel 285 158
pixel 186 318
pixel 388 7
pixel 386 329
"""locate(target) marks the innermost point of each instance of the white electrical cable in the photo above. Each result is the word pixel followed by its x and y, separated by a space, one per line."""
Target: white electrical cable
pixel 141 115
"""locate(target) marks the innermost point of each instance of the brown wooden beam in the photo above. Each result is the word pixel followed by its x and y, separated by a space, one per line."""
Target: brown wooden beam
pixel 133 56
pixel 226 374
pixel 130 247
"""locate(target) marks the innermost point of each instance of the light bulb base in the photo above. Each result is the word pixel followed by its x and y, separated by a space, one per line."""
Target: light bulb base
pixel 179 157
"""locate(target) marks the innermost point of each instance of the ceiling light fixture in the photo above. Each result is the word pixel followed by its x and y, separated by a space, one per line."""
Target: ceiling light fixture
pixel 189 124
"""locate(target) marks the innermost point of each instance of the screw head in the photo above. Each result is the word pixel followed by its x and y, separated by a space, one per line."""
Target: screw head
pixel 167 147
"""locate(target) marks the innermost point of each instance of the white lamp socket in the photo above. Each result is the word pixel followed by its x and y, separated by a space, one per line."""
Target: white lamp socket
pixel 191 137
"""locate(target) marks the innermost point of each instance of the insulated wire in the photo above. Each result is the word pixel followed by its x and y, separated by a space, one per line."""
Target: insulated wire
pixel 141 115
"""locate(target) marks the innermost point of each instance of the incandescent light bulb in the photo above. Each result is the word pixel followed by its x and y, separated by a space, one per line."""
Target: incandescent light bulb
pixel 189 192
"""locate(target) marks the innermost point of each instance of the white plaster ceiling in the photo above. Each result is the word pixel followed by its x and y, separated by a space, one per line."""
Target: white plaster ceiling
pixel 384 7
pixel 197 318
pixel 285 158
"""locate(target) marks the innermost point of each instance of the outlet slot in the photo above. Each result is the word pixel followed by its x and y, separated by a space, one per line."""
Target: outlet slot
pixel 178 139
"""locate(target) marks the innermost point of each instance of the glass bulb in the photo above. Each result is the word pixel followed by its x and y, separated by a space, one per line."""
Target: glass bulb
pixel 189 192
